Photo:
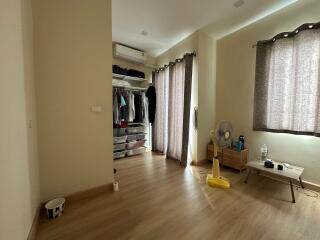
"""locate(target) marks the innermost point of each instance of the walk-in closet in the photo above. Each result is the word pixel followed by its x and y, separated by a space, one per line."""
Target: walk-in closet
pixel 133 97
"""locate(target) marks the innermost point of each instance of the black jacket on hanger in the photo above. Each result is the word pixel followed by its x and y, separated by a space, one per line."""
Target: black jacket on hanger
pixel 152 99
pixel 138 108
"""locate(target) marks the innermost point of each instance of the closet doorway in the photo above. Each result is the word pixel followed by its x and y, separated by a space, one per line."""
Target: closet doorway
pixel 133 106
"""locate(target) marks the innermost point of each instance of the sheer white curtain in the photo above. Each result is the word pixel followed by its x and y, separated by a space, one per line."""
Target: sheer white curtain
pixel 172 122
pixel 161 119
pixel 287 91
pixel 175 107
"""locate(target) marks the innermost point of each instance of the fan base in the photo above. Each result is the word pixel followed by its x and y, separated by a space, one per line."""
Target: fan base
pixel 217 182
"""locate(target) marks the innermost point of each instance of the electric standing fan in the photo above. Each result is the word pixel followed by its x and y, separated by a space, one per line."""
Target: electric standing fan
pixel 221 138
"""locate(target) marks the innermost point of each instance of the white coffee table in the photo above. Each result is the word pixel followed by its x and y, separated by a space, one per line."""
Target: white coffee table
pixel 291 173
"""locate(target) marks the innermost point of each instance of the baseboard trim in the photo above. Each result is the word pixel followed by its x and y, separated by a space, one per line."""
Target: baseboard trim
pixel 311 186
pixel 306 184
pixel 35 223
pixel 92 192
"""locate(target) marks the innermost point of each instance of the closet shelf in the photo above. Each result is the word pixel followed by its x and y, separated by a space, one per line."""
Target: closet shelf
pixel 129 87
pixel 138 123
pixel 129 78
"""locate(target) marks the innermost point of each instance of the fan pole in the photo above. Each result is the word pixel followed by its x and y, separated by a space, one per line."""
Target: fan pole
pixel 220 137
pixel 215 165
pixel 215 150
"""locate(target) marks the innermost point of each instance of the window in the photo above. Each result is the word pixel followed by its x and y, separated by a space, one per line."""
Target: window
pixel 287 84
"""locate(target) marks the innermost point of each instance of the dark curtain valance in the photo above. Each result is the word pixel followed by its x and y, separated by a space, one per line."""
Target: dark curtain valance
pixel 303 27
pixel 175 61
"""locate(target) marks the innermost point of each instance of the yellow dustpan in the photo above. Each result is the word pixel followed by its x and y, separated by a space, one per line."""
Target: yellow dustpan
pixel 214 179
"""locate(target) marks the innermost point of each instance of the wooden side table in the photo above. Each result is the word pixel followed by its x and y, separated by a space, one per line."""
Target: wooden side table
pixel 234 159
pixel 230 157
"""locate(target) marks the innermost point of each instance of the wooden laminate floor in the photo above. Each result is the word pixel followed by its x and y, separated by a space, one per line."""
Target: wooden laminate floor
pixel 158 199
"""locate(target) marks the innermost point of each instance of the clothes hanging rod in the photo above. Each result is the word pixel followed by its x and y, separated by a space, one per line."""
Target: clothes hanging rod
pixel 129 87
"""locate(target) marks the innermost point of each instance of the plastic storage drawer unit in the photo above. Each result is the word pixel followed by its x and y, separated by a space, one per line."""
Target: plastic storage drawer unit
pixel 119 147
pixel 136 137
pixel 136 151
pixel 118 132
pixel 131 130
pixel 117 140
pixel 120 154
pixel 135 144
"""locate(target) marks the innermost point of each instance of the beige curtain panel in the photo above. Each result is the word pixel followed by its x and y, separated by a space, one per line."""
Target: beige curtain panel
pixel 287 83
pixel 175 107
pixel 171 128
pixel 160 127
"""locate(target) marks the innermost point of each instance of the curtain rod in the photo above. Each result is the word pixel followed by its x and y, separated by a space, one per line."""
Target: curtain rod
pixel 194 54
pixel 305 26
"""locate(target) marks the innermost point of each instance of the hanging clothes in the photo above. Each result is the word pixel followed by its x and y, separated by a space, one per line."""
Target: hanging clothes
pixel 122 101
pixel 138 108
pixel 116 116
pixel 152 103
pixel 123 109
pixel 120 116
pixel 145 117
pixel 131 108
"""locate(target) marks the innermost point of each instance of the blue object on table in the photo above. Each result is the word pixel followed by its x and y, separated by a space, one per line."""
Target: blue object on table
pixel 239 146
pixel 241 139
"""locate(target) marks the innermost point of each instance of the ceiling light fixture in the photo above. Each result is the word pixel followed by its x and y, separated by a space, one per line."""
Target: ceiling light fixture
pixel 310 26
pixel 238 3
pixel 286 35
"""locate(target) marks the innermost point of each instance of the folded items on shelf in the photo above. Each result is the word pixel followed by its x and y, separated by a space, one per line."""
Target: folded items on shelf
pixel 135 73
pixel 119 70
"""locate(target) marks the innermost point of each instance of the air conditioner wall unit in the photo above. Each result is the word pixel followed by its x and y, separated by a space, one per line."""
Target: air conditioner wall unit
pixel 130 54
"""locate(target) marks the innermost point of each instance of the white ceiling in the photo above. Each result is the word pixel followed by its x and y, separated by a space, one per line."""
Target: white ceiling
pixel 170 21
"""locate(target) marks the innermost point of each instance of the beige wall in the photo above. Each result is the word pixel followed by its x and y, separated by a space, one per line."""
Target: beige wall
pixel 206 88
pixel 19 184
pixel 203 89
pixel 73 57
pixel 235 89
pixel 187 45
